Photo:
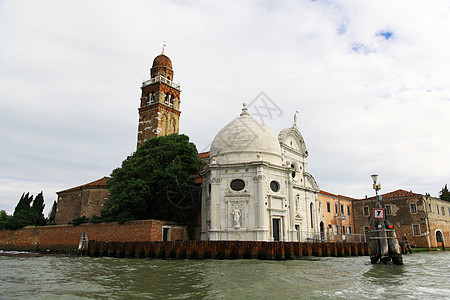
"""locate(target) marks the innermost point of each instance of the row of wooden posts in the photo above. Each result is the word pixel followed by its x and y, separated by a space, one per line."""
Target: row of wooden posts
pixel 223 249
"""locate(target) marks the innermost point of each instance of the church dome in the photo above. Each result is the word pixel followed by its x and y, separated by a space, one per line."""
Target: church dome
pixel 245 140
pixel 162 61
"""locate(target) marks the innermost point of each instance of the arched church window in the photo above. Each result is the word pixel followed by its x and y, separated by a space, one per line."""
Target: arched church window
pixel 311 207
pixel 168 98
pixel 237 184
pixel 274 186
pixel 295 172
pixel 151 98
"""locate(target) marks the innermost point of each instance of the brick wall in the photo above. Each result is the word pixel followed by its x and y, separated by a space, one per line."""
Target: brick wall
pixel 67 237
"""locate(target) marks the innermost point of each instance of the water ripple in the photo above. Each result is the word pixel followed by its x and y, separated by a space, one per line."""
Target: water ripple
pixel 54 277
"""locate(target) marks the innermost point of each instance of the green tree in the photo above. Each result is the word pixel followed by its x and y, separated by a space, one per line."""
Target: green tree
pixel 156 182
pixel 52 214
pixel 444 194
pixel 24 203
pixel 37 210
pixel 4 220
pixel 26 214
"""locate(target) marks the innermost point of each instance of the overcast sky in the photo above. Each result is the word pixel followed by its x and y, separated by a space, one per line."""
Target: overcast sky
pixel 370 79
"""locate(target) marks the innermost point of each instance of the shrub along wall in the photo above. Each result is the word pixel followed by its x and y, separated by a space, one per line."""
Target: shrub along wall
pixel 67 237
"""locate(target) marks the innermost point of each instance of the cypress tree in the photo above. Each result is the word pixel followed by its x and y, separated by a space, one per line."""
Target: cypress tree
pixel 24 203
pixel 52 215
pixel 37 210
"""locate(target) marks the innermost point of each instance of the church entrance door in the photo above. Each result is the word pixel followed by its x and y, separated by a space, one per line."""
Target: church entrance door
pixel 322 232
pixel 276 229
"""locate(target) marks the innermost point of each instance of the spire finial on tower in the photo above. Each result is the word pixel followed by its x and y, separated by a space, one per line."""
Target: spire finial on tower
pixel 244 110
pixel 163 46
pixel 295 118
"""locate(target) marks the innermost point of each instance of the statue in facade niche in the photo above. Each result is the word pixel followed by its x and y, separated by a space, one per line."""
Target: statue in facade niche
pixel 236 218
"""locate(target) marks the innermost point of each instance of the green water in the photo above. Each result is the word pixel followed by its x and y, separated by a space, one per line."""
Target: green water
pixel 25 276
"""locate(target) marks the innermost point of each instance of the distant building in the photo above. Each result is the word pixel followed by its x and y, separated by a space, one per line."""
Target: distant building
pixel 84 200
pixel 338 212
pixel 423 219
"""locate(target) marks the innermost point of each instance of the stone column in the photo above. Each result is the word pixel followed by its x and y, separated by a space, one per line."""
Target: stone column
pixel 292 210
pixel 215 206
pixel 260 202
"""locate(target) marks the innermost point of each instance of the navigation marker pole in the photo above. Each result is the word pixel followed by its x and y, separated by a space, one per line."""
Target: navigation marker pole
pixel 382 238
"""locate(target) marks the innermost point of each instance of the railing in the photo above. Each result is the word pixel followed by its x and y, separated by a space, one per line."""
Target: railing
pixel 321 237
pixel 162 79
pixel 355 237
pixel 385 236
pixel 313 236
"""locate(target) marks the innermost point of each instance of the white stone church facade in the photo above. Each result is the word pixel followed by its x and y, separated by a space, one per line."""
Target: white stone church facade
pixel 256 187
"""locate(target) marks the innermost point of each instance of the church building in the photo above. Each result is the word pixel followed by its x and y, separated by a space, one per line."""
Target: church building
pixel 256 187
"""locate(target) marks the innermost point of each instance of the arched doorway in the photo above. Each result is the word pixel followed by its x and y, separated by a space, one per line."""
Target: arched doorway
pixel 439 238
pixel 322 232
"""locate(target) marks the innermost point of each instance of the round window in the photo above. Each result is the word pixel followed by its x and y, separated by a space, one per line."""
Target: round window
pixel 237 184
pixel 274 186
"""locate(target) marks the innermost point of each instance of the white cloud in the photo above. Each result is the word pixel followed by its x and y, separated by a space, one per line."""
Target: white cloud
pixel 71 72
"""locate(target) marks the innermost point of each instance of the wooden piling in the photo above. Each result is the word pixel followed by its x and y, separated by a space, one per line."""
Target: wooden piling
pixel 223 249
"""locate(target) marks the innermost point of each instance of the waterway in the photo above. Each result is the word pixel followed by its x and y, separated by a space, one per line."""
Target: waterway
pixel 29 276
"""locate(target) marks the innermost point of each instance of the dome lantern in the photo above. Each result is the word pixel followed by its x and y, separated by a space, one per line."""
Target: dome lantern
pixel 162 66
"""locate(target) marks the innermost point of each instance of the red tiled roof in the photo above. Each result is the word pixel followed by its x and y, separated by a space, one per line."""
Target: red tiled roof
pixel 338 196
pixel 98 182
pixel 396 194
pixel 203 155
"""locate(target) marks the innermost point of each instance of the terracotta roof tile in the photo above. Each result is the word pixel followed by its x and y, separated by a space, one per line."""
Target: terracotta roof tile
pixel 98 182
pixel 395 194
pixel 203 155
pixel 338 196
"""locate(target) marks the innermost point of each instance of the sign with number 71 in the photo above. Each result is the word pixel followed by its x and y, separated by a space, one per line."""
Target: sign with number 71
pixel 378 213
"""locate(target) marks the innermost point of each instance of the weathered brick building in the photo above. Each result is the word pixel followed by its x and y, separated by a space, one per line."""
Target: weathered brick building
pixel 84 200
pixel 423 219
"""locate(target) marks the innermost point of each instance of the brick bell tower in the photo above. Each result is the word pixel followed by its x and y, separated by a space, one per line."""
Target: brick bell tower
pixel 159 112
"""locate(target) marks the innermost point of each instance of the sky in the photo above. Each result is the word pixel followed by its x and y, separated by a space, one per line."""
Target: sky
pixel 370 80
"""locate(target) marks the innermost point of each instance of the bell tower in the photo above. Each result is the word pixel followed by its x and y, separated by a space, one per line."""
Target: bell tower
pixel 159 112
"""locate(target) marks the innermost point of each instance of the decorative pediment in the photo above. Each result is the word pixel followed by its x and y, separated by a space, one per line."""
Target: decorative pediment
pixel 291 138
pixel 298 217
pixel 310 182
